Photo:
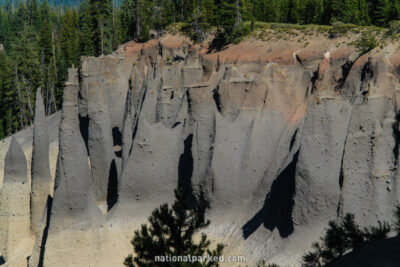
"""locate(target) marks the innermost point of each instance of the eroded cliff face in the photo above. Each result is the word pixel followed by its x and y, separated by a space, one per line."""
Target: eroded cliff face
pixel 283 138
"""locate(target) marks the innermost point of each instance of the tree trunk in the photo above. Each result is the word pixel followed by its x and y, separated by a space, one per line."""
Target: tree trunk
pixel 102 38
pixel 238 20
pixel 55 70
pixel 182 10
pixel 31 113
pixel 22 111
pixel 137 16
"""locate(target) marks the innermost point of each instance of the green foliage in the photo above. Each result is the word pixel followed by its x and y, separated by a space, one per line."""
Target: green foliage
pixel 342 237
pixel 394 27
pixel 397 220
pixel 97 30
pixel 69 37
pixel 339 29
pixel 366 42
pixel 382 12
pixel 171 232
pixel 312 11
pixel 144 35
pixel 42 41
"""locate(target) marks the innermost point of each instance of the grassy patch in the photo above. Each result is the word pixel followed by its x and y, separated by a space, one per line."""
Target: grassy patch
pixel 302 33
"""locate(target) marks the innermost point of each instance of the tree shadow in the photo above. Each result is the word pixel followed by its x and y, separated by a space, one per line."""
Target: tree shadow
pixel 112 188
pixel 185 172
pixel 117 141
pixel 278 205
pixel 45 231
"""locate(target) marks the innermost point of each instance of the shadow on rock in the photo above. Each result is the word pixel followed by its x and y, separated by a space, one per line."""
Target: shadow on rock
pixel 278 205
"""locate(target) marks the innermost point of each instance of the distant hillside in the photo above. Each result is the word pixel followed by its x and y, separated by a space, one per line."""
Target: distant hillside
pixel 70 3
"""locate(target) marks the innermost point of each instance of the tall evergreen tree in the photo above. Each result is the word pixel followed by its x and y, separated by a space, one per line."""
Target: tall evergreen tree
pixel 127 21
pixel 21 18
pixel 351 12
pixel 33 12
pixel 364 18
pixel 337 10
pixel 382 12
pixel 7 94
pixel 45 39
pixel 394 13
pixel 86 45
pixel 312 11
pixel 227 15
pixel 259 9
pixel 209 10
pixel 293 11
pixel 272 11
pixel 26 65
pixel 97 26
pixel 70 38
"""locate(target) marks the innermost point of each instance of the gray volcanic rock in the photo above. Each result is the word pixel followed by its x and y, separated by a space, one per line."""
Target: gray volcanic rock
pixel 73 208
pixel 282 137
pixel 72 196
pixel 323 139
pixel 41 177
pixel 14 201
pixel 103 101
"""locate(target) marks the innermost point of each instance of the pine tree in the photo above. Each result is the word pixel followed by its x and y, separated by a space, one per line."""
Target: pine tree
pixel 394 11
pixel 2 135
pixel 198 22
pixel 312 11
pixel 7 93
pixel 293 11
pixel 10 127
pixel 25 56
pixel 350 12
pixel 209 10
pixel 382 12
pixel 86 44
pixel 33 13
pixel 46 55
pixel 397 220
pixel 364 18
pixel 127 21
pixel 45 45
pixel 272 13
pixel 227 15
pixel 97 27
pixel 20 19
pixel 171 232
pixel 70 38
pixel 168 12
pixel 341 237
pixel 6 33
pixel 337 10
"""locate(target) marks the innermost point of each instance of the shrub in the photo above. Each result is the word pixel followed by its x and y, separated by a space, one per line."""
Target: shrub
pixel 366 43
pixel 342 237
pixel 397 223
pixel 144 33
pixel 339 29
pixel 240 32
pixel 394 27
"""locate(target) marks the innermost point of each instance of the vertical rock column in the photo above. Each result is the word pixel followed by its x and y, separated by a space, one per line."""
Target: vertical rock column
pixel 41 177
pixel 14 201
pixel 73 211
pixel 100 138
pixel 71 194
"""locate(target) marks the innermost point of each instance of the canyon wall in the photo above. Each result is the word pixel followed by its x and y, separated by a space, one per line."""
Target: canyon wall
pixel 282 137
